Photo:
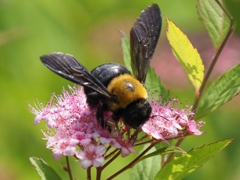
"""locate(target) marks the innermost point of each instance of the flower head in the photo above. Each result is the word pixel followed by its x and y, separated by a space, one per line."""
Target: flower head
pixel 167 122
pixel 72 125
pixel 125 147
pixel 91 156
pixel 75 131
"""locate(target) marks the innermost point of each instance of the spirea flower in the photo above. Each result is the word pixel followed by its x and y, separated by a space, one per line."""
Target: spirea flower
pixel 73 129
pixel 167 122
pixel 91 156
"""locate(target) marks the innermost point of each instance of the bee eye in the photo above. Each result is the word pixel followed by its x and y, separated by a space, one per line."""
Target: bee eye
pixel 115 99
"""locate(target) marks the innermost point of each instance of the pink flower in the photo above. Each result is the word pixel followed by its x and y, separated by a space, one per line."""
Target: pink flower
pixel 70 121
pixel 91 156
pixel 65 147
pixel 126 147
pixel 193 128
pixel 73 129
pixel 167 122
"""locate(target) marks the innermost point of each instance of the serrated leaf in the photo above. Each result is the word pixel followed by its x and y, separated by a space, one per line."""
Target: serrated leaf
pixel 186 54
pixel 164 150
pixel 146 169
pixel 126 51
pixel 214 19
pixel 222 90
pixel 153 82
pixel 45 171
pixel 183 165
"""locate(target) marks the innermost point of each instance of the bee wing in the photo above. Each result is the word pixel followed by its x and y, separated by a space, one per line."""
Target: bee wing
pixel 143 40
pixel 69 68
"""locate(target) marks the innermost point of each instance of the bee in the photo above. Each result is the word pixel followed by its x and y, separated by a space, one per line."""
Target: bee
pixel 111 86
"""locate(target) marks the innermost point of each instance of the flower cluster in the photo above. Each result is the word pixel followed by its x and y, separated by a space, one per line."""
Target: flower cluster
pixel 167 122
pixel 74 130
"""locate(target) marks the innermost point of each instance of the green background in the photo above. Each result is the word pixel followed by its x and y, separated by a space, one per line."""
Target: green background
pixel 90 31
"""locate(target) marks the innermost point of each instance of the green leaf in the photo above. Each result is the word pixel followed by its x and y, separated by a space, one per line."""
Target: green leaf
pixel 146 169
pixel 222 90
pixel 164 150
pixel 233 8
pixel 214 19
pixel 153 83
pixel 186 54
pixel 45 172
pixel 183 165
pixel 126 51
pixel 155 87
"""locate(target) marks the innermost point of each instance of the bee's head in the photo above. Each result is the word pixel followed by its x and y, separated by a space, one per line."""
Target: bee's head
pixel 137 113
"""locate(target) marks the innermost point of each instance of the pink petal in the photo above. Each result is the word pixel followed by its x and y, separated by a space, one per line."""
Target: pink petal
pixel 85 163
pixel 98 162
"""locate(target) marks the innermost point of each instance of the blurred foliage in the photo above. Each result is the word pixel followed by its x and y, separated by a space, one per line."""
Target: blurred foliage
pixel 90 31
pixel 233 8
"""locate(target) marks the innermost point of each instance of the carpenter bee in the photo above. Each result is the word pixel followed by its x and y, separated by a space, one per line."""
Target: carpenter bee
pixel 111 86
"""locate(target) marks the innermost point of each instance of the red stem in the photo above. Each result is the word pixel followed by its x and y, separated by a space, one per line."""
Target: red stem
pixel 133 162
pixel 69 168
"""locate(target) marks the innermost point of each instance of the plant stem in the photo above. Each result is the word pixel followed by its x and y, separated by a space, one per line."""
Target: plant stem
pixel 109 161
pixel 89 177
pixel 171 155
pixel 215 58
pixel 69 168
pixel 133 162
pixel 99 173
pixel 110 154
pixel 100 169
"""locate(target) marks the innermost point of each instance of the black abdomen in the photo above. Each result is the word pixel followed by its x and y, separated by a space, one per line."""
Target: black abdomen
pixel 104 73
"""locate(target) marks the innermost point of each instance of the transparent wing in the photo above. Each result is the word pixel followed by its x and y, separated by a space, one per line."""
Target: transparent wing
pixel 69 68
pixel 143 40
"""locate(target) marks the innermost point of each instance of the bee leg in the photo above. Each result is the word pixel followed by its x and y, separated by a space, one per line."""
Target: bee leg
pixel 136 135
pixel 117 115
pixel 100 116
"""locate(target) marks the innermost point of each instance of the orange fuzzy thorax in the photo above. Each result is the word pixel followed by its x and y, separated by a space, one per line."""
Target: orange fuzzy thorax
pixel 127 89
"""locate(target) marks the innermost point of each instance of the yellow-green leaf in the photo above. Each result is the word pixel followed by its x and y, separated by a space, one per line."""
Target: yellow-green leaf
pixel 186 54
